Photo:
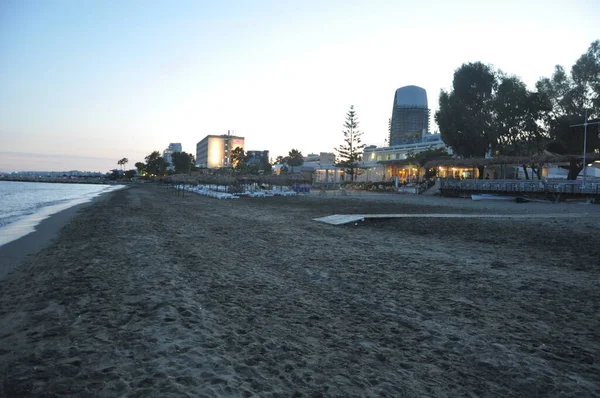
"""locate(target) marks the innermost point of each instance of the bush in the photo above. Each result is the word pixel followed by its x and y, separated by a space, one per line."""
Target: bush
pixel 385 186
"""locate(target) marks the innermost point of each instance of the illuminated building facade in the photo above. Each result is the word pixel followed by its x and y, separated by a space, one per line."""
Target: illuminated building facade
pixel 215 150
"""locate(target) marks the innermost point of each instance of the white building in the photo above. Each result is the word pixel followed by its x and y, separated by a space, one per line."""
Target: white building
pixel 323 158
pixel 384 163
pixel 173 147
pixel 215 150
pixel 399 152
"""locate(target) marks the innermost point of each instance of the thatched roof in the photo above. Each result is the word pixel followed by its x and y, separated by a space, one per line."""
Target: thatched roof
pixel 233 179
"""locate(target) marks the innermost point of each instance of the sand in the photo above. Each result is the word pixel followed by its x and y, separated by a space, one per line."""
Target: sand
pixel 147 294
pixel 12 253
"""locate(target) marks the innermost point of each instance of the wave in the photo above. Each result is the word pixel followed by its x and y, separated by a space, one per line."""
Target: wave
pixel 22 217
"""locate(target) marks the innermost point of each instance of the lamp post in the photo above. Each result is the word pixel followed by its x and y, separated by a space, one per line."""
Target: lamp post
pixel 585 124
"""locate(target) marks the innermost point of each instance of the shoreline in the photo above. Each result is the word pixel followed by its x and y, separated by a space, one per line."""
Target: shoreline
pixel 44 234
pixel 60 180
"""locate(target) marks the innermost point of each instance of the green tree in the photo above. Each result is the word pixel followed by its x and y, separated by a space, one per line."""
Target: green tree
pixel 569 95
pixel 155 164
pixel 279 160
pixel 419 159
pixel 517 116
pixel 586 78
pixel 294 158
pixel 239 158
pixel 465 115
pixel 141 167
pixel 115 175
pixel 182 161
pixel 350 152
pixel 129 174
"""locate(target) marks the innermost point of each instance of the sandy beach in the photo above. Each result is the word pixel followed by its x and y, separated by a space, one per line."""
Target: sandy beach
pixel 147 294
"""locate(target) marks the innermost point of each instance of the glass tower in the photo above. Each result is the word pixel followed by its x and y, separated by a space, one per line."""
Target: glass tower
pixel 410 116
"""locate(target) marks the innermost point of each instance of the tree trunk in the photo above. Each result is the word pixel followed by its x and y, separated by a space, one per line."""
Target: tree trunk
pixel 525 172
pixel 574 169
pixel 537 171
pixel 481 171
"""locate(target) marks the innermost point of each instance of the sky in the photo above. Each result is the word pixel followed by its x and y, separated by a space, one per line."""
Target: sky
pixel 86 83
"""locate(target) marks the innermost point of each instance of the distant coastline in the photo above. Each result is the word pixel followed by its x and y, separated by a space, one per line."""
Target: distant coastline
pixel 63 180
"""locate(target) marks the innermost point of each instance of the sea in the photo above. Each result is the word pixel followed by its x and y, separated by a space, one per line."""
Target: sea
pixel 23 205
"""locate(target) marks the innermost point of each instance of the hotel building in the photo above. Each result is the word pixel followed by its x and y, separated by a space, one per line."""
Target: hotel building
pixel 215 150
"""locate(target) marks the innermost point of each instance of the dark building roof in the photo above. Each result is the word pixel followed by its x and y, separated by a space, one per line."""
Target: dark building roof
pixel 411 96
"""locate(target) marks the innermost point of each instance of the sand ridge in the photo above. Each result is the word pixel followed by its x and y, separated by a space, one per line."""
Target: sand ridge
pixel 149 294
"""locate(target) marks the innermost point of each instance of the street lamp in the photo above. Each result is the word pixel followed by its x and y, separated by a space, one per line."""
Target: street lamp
pixel 585 124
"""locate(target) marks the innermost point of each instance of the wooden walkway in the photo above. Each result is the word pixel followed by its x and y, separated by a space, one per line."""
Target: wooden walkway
pixel 340 219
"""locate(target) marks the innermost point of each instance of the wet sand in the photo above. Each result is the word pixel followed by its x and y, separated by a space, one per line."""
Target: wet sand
pixel 150 294
pixel 13 253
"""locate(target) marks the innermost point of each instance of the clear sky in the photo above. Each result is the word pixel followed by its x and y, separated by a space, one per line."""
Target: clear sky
pixel 85 83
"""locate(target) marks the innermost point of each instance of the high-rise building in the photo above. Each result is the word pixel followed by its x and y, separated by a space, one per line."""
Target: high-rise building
pixel 257 157
pixel 410 116
pixel 173 147
pixel 215 150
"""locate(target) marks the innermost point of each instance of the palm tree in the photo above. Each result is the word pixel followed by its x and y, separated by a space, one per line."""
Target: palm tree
pixel 122 163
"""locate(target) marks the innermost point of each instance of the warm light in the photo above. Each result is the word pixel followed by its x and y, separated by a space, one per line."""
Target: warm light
pixel 216 148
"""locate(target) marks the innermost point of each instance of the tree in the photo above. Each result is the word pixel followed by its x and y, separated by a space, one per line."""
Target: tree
pixel 182 161
pixel 419 159
pixel 586 78
pixel 122 163
pixel 294 158
pixel 516 121
pixel 239 158
pixel 129 174
pixel 264 167
pixel 568 140
pixel 279 160
pixel 350 152
pixel 156 164
pixel 569 96
pixel 115 175
pixel 141 167
pixel 465 115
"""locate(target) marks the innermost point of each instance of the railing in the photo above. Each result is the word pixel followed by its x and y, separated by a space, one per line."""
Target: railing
pixel 520 186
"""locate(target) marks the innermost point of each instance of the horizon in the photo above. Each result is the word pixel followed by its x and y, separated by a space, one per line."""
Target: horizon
pixel 86 84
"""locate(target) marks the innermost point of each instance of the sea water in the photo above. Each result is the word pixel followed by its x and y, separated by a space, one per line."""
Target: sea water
pixel 23 205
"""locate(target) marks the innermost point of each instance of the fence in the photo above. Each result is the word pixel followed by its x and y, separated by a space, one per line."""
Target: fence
pixel 520 186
